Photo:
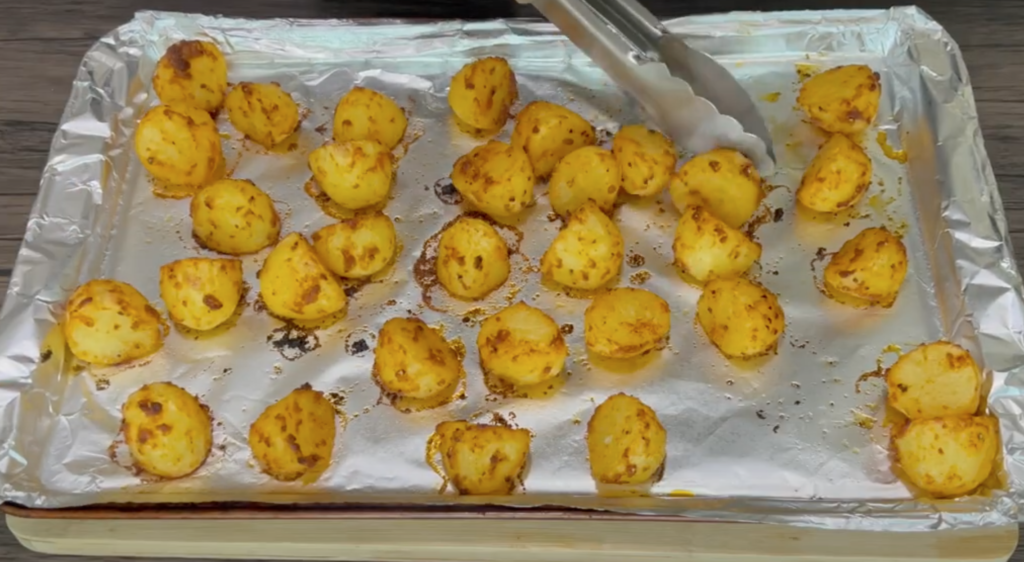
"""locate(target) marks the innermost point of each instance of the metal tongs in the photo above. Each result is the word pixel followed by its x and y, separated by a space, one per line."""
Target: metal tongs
pixel 695 100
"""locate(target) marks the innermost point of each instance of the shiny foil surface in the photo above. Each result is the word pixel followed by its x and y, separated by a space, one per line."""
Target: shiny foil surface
pixel 788 439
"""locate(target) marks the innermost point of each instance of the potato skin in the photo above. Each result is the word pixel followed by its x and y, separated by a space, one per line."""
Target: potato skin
pixel 481 459
pixel 587 253
pixel 179 145
pixel 548 132
pixel 295 436
pixel 707 248
pixel 625 441
pixel 168 431
pixel 842 99
pixel 354 174
pixel 482 93
pixel 496 178
pixel 949 456
pixel 263 112
pixel 626 322
pixel 364 114
pixel 192 73
pixel 723 181
pixel 295 285
pixel 934 380
pixel 359 247
pixel 415 361
pixel 234 217
pixel 837 178
pixel 868 270
pixel 472 259
pixel 740 317
pixel 590 173
pixel 109 322
pixel 201 293
pixel 647 159
pixel 521 345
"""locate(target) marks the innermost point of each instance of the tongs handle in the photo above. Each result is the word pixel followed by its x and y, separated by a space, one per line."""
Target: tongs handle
pixel 635 23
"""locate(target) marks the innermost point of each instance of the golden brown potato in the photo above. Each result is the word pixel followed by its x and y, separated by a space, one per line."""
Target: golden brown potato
pixel 357 247
pixel 740 317
pixel 201 293
pixel 295 285
pixel 868 269
pixel 413 360
pixel 263 112
pixel 521 346
pixel 948 456
pixel 625 441
pixel 354 174
pixel 842 99
pixel 294 437
pixel 169 433
pixel 179 145
pixel 496 178
pixel 108 322
pixel 837 178
pixel 481 459
pixel 587 174
pixel 647 159
pixel 364 114
pixel 723 181
pixel 192 73
pixel 472 259
pixel 935 380
pixel 548 132
pixel 587 253
pixel 706 248
pixel 234 217
pixel 482 93
pixel 626 322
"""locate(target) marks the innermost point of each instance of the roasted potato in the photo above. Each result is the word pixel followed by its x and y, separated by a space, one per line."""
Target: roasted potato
pixel 357 247
pixel 548 132
pixel 842 99
pixel 496 178
pixel 482 93
pixel 413 360
pixel 837 178
pixel 587 253
pixel 201 293
pixel 192 73
pixel 868 270
pixel 521 346
pixel 949 456
pixel 626 322
pixel 354 174
pixel 263 112
pixel 740 317
pixel 179 145
pixel 625 441
pixel 587 174
pixel 481 459
pixel 934 380
pixel 108 322
pixel 169 433
pixel 647 159
pixel 366 115
pixel 472 259
pixel 234 217
pixel 723 181
pixel 295 285
pixel 707 248
pixel 294 436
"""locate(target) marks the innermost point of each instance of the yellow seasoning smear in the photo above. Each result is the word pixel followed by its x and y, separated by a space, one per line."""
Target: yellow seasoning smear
pixel 772 97
pixel 681 494
pixel 891 153
pixel 806 70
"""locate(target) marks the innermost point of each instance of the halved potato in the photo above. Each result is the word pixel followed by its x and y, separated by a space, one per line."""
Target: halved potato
pixel 482 93
pixel 169 433
pixel 294 437
pixel 707 248
pixel 868 270
pixel 843 99
pixel 587 174
pixel 354 174
pixel 548 132
pixel 521 345
pixel 496 178
pixel 948 456
pixel 935 380
pixel 295 285
pixel 472 259
pixel 179 145
pixel 201 293
pixel 837 178
pixel 192 73
pixel 357 247
pixel 364 114
pixel 413 360
pixel 626 322
pixel 647 159
pixel 740 317
pixel 234 217
pixel 108 322
pixel 723 181
pixel 481 459
pixel 587 253
pixel 625 441
pixel 263 112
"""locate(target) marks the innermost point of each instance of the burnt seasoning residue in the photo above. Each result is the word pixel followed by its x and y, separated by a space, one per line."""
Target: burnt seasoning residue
pixel 293 342
pixel 446 193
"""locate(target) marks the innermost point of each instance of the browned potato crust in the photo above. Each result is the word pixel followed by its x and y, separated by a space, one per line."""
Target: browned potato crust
pixel 646 158
pixel 482 93
pixel 587 253
pixel 625 441
pixel 169 433
pixel 294 437
pixel 201 293
pixel 496 178
pixel 548 132
pixel 472 259
pixel 949 456
pixel 108 322
pixel 842 99
pixel 723 181
pixel 263 112
pixel 521 345
pixel 234 217
pixel 364 114
pixel 706 248
pixel 358 247
pixel 179 145
pixel 740 317
pixel 837 178
pixel 935 380
pixel 192 73
pixel 868 270
pixel 413 360
pixel 482 459
pixel 626 322
pixel 295 285
pixel 588 174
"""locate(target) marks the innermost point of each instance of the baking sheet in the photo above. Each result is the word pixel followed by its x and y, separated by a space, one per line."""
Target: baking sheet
pixel 788 439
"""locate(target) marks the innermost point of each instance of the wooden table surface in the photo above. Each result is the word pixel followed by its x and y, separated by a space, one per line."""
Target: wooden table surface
pixel 44 41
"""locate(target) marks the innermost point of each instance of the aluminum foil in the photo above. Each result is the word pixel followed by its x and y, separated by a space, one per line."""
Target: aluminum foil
pixel 791 439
